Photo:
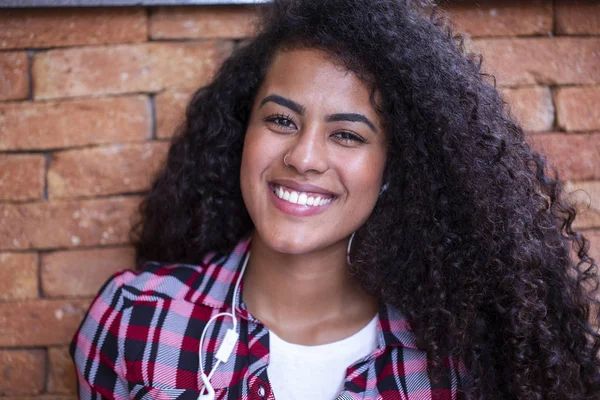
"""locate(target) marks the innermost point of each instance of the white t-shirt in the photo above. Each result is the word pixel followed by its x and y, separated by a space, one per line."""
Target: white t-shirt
pixel 316 372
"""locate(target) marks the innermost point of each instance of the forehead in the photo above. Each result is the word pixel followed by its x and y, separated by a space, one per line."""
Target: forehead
pixel 314 78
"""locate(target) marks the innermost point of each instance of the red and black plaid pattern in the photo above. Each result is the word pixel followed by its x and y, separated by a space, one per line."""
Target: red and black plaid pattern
pixel 140 340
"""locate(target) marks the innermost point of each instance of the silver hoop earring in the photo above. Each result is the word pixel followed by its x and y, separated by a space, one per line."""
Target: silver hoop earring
pixel 284 162
pixel 348 249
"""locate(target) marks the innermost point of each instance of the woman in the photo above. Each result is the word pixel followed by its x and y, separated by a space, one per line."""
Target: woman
pixel 348 212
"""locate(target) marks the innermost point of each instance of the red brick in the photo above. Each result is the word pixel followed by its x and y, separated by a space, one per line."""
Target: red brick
pixel 61 378
pixel 105 170
pixel 170 112
pixel 546 61
pixel 202 22
pixel 43 397
pixel 23 371
pixel 54 125
pixel 502 18
pixel 575 157
pixel 18 276
pixel 578 17
pixel 578 108
pixel 594 238
pixel 586 196
pixel 40 322
pixel 47 27
pixel 148 67
pixel 54 224
pixel 14 75
pixel 22 177
pixel 532 107
pixel 82 272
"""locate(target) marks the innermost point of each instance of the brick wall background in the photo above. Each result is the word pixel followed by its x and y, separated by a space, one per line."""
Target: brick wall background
pixel 90 97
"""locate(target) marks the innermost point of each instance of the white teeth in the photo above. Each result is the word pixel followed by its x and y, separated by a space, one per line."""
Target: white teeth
pixel 300 197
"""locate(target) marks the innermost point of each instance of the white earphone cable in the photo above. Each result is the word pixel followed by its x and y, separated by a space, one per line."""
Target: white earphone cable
pixel 227 344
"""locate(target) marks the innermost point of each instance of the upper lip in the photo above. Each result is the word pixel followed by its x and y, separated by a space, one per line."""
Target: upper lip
pixel 301 187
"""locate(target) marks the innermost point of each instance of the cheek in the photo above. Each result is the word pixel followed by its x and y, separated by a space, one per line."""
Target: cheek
pixel 262 148
pixel 251 153
pixel 363 177
pixel 257 156
pixel 249 167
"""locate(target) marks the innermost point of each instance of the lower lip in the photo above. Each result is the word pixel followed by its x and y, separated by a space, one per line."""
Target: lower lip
pixel 300 210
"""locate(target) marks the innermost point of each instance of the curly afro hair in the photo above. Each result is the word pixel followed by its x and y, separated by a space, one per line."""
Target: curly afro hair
pixel 473 239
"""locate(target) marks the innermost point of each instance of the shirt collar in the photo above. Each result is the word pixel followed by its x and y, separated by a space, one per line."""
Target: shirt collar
pixel 393 327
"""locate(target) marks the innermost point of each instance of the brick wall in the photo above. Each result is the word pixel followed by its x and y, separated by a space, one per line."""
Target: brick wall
pixel 89 98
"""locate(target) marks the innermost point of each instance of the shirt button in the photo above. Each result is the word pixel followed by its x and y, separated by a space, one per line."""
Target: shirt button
pixel 261 391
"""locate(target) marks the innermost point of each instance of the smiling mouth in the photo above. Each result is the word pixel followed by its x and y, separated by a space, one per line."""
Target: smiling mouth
pixel 301 198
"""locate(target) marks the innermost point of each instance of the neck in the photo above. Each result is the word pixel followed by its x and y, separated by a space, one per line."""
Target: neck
pixel 297 293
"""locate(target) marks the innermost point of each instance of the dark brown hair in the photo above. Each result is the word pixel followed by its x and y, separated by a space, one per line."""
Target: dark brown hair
pixel 473 240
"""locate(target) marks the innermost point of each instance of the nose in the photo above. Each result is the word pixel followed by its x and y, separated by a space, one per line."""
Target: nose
pixel 308 151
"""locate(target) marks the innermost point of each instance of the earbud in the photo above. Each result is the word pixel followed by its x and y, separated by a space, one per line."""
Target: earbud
pixel 384 188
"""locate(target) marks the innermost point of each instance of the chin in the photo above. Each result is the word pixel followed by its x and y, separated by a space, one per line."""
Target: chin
pixel 286 244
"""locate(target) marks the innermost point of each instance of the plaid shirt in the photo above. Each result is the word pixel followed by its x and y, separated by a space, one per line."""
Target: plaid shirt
pixel 140 340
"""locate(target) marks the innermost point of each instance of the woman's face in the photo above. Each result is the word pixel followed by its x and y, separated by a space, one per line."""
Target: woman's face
pixel 318 116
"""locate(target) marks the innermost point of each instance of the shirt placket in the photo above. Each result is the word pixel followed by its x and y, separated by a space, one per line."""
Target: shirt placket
pixel 352 390
pixel 256 382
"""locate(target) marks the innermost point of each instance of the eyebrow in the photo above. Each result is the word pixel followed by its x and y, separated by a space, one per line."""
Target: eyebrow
pixel 282 101
pixel 300 109
pixel 352 117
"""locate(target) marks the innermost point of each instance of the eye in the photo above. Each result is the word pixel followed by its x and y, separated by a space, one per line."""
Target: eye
pixel 283 121
pixel 347 137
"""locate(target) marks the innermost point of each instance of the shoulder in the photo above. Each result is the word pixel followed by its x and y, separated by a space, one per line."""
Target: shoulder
pixel 406 358
pixel 208 282
pixel 156 281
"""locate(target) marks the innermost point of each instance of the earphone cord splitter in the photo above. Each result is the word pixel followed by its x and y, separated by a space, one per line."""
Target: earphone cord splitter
pixel 226 346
